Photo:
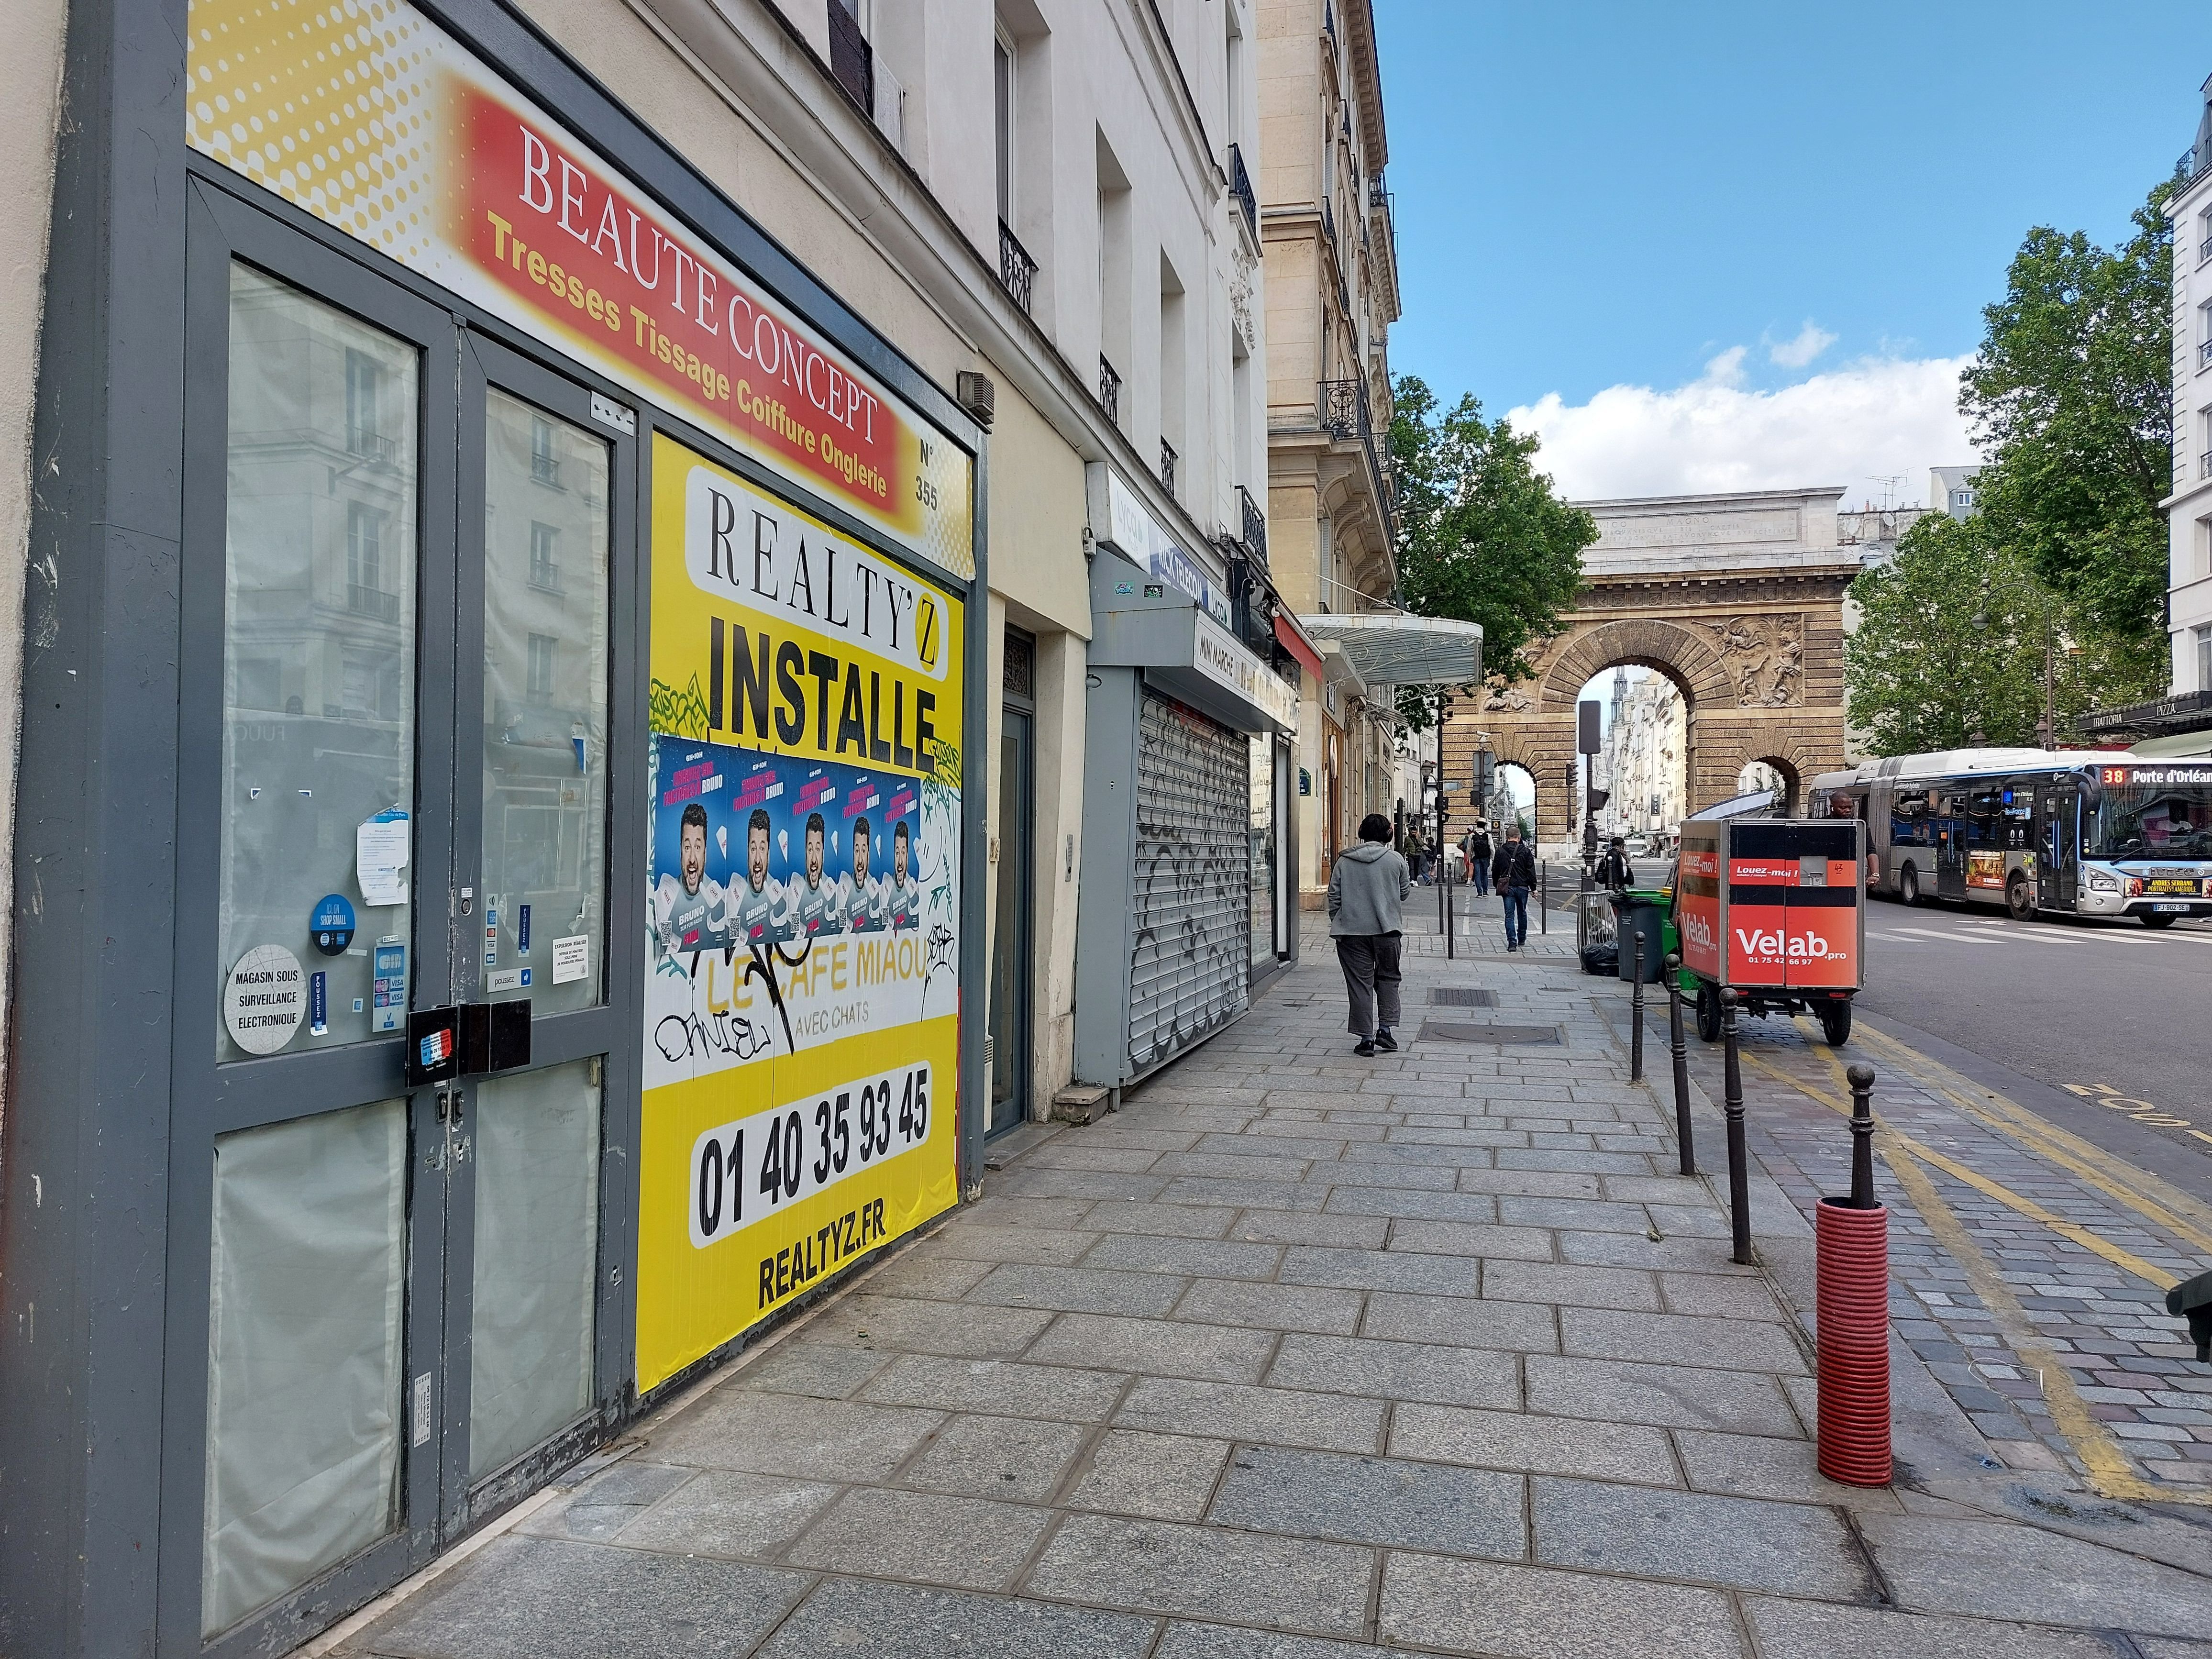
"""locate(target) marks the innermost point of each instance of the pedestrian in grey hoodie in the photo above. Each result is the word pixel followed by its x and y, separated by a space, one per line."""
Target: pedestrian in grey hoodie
pixel 1366 888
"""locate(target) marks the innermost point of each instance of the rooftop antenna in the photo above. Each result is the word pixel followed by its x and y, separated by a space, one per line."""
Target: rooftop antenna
pixel 1889 482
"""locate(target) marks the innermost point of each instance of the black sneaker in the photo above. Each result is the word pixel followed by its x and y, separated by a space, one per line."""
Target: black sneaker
pixel 1366 1049
pixel 1385 1041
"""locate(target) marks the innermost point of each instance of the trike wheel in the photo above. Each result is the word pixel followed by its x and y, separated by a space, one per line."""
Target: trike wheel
pixel 1836 1022
pixel 1709 1013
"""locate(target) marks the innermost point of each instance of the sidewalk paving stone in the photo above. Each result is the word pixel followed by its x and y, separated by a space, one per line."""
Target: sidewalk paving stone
pixel 845 1616
pixel 1284 1417
pixel 1747 1543
pixel 1160 1477
pixel 1510 1440
pixel 964 1543
pixel 1397 1370
pixel 1374 1500
pixel 1161 1566
pixel 1534 1613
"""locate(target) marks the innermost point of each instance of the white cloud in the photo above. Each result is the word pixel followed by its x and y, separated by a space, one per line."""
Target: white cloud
pixel 1849 426
pixel 1811 340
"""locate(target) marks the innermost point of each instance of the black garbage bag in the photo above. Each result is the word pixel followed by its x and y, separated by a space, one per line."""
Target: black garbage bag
pixel 1602 959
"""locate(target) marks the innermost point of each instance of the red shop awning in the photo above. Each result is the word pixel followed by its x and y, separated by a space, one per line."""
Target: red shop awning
pixel 1292 639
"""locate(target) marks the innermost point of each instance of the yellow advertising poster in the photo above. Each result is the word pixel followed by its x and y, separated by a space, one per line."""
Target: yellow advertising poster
pixel 802 1007
pixel 369 116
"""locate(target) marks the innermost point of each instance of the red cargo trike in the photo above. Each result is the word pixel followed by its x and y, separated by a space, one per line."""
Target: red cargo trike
pixel 1774 908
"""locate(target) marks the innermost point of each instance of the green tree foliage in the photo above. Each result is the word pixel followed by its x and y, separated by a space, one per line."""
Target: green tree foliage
pixel 1483 536
pixel 1951 644
pixel 2070 399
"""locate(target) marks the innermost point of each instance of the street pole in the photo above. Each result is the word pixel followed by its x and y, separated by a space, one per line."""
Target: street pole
pixel 1861 1077
pixel 1673 965
pixel 1635 1014
pixel 1739 1158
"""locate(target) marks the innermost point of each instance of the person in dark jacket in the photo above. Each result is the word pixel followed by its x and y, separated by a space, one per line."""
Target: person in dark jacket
pixel 1367 890
pixel 1514 870
pixel 1479 852
pixel 1613 870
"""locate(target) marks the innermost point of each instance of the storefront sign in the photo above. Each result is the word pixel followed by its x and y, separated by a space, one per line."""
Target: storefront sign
pixel 1216 654
pixel 802 996
pixel 374 119
pixel 1134 532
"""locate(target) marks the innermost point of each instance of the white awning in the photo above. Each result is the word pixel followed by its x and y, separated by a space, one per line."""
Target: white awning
pixel 1390 648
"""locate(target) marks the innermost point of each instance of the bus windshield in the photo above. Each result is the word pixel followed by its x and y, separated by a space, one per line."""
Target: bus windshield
pixel 2154 820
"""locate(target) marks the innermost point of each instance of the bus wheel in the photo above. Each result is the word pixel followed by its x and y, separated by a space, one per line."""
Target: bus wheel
pixel 1836 1022
pixel 2017 900
pixel 2150 920
pixel 1709 1013
pixel 1908 885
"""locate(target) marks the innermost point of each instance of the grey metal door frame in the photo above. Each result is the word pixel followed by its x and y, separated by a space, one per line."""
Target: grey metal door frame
pixel 208 1098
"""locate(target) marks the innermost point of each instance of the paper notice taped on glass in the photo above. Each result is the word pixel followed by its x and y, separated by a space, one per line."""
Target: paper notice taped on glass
pixel 380 849
pixel 571 959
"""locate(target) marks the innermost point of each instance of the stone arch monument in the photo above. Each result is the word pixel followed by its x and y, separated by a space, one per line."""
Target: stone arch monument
pixel 1737 599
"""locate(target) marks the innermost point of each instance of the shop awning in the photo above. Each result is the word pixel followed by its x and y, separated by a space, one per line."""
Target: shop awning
pixel 1391 649
pixel 1151 625
pixel 1292 639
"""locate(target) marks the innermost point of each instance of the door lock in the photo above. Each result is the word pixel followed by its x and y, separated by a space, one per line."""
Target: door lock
pixel 468 900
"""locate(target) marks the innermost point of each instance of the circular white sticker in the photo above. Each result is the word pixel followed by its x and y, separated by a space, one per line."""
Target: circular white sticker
pixel 263 999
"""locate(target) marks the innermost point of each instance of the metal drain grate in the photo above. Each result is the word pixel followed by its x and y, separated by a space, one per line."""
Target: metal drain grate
pixel 1462 996
pixel 1450 1031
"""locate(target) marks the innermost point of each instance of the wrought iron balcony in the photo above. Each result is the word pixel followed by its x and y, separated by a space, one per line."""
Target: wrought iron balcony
pixel 1328 222
pixel 545 469
pixel 850 61
pixel 1240 191
pixel 2204 251
pixel 371 445
pixel 2205 355
pixel 1109 390
pixel 1255 525
pixel 2204 465
pixel 1168 458
pixel 1344 413
pixel 1016 271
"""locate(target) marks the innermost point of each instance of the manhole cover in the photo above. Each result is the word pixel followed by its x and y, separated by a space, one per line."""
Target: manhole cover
pixel 1452 1031
pixel 1462 996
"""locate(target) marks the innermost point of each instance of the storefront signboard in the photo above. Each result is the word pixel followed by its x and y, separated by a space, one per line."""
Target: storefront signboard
pixel 802 994
pixel 374 119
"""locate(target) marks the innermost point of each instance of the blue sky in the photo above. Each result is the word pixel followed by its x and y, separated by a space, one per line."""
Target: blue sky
pixel 1664 196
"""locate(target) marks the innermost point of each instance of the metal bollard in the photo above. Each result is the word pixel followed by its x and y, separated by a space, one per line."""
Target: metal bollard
pixel 1851 1313
pixel 1636 1012
pixel 1544 898
pixel 1673 966
pixel 1738 1155
pixel 1450 953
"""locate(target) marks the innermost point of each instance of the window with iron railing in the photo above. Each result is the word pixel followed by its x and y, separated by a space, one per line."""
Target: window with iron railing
pixel 1255 525
pixel 1167 467
pixel 1016 271
pixel 545 463
pixel 1240 190
pixel 545 558
pixel 1109 390
pixel 364 405
pixel 851 62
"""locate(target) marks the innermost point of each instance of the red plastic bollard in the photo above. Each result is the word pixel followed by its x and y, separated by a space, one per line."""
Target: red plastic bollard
pixel 1852 1318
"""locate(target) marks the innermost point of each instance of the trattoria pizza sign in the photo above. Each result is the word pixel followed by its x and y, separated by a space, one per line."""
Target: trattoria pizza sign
pixel 374 119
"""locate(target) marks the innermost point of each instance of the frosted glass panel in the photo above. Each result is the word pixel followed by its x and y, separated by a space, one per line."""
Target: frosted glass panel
pixel 307 1291
pixel 537 1257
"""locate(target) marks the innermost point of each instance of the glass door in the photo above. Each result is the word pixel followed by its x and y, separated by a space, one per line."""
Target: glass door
pixel 386 1302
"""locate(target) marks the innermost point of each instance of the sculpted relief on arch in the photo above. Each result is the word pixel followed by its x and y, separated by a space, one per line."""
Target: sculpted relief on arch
pixel 1765 657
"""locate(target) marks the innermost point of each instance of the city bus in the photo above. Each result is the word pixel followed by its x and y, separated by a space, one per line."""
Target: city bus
pixel 2095 833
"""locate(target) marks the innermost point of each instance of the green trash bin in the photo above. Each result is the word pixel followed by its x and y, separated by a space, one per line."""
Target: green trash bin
pixel 1646 909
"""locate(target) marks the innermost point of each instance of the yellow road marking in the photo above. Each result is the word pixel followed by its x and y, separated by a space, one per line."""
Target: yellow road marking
pixel 2074 1232
pixel 2187 1218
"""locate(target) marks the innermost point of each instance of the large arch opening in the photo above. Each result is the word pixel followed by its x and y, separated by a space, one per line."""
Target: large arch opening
pixel 1646 719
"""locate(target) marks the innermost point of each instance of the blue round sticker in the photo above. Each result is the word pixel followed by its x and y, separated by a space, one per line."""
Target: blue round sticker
pixel 332 926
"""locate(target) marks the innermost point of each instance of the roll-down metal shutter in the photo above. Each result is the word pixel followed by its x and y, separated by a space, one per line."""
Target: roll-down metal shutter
pixel 1189 971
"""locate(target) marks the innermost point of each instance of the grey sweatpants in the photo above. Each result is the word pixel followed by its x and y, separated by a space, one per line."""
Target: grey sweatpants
pixel 1370 978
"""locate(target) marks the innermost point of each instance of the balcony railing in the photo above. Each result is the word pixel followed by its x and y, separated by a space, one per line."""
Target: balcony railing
pixel 850 61
pixel 1016 271
pixel 1167 467
pixel 2205 355
pixel 371 445
pixel 545 469
pixel 372 602
pixel 1345 414
pixel 1240 191
pixel 2204 251
pixel 545 576
pixel 1109 390
pixel 1255 525
pixel 1328 222
pixel 2204 465
pixel 2196 159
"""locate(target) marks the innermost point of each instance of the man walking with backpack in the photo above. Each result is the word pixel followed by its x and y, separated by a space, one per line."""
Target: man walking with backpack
pixel 1514 870
pixel 1478 855
pixel 1367 889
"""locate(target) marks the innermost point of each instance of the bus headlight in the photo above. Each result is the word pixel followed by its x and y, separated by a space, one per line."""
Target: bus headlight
pixel 2101 882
